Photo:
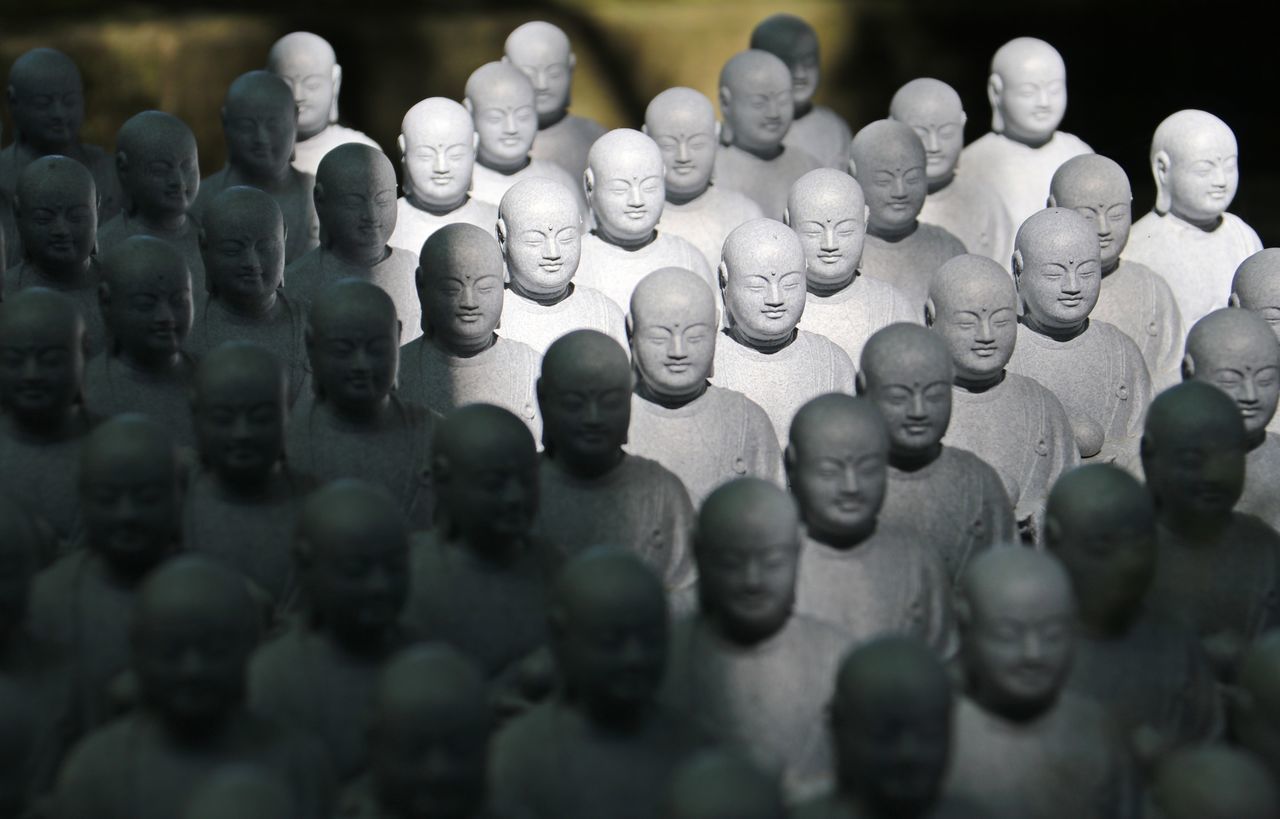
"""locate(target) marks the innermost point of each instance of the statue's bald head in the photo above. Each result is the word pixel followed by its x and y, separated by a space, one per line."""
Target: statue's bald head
pixel 1195 162
pixel 432 682
pixel 625 185
pixel 760 242
pixel 59 185
pixel 679 109
pixel 37 75
pixel 900 349
pixel 258 89
pixel 195 589
pixel 240 208
pixel 672 331
pixel 36 66
pixel 926 99
pixel 970 279
pixel 460 271
pixel 47 326
pixel 1214 782
pixel 1052 234
pixel 721 785
pixel 1237 351
pixel 54 178
pixel 1193 453
pixel 888 160
pixel 306 62
pixel 881 143
pixel 604 580
pixel 1027 89
pixel 626 146
pixel 534 203
pixel 539 36
pixel 1190 411
pixel 45 317
pixel 498 83
pixel 476 435
pixel 484 470
pixel 792 40
pixel 1256 286
pixel 672 291
pixel 827 210
pixel 300 44
pixel 836 415
pixel 756 101
pixel 542 51
pixel 260 123
pixel 347 512
pixel 148 130
pixel 240 792
pixel 239 367
pixel 1098 189
pixel 906 370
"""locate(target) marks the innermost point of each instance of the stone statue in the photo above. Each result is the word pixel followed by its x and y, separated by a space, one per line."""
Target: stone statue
pixel 1023 747
pixel 1252 703
pixel 242 241
pixel 132 511
pixel 1216 568
pixel 46 101
pixel 888 161
pixel 159 170
pixel 1027 90
pixel 240 792
pixel 814 128
pixel 866 578
pixel 683 123
pixel 193 630
pixel 764 355
pixel 1133 298
pixel 57 222
pixel 459 359
pixel 1236 351
pixel 1189 238
pixel 241 504
pixel 827 210
pixel 17 734
pixel 429 728
pixel 753 672
pixel 757 106
pixel 42 361
pixel 355 194
pixel 705 434
pixel 1096 371
pixel 722 785
pixel 306 62
pixel 1008 420
pixel 592 492
pixel 950 498
pixel 354 425
pixel 542 51
pixel 604 744
pixel 259 123
pixel 626 190
pixel 963 204
pixel 438 154
pixel 145 297
pixel 1256 287
pixel 1213 782
pixel 501 101
pixel 1150 673
pixel 351 557
pixel 540 233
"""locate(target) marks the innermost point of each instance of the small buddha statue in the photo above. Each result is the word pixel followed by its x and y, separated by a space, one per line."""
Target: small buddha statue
pixel 683 123
pixel 604 744
pixel 1253 707
pixel 145 297
pixel 540 234
pixel 1022 746
pixel 242 501
pixel 131 505
pixel 757 674
pixel 1097 372
pixel 351 558
pixel 828 211
pixel 355 194
pixel 193 630
pixel 1150 673
pixel 259 121
pixel 1216 568
pixel 1213 782
pixel 1189 238
pixel 626 190
pixel 757 105
pixel 723 785
pixel 1236 351
pixel 159 172
pixel 1133 298
pixel 888 161
pixel 46 102
pixel 438 154
pixel 1027 89
pixel 814 128
pixel 459 358
pixel 963 204
pixel 42 361
pixel 704 433
pixel 950 498
pixel 355 424
pixel 542 51
pixel 765 356
pixel 501 101
pixel 242 241
pixel 240 792
pixel 1256 287
pixel 57 221
pixel 306 62
pixel 1008 420
pixel 429 728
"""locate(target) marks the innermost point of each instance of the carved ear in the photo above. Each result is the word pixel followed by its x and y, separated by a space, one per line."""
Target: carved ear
pixel 500 229
pixel 1160 165
pixel 317 193
pixel 122 162
pixel 860 383
pixel 573 61
pixel 853 171
pixel 440 469
pixel 930 312
pixel 726 99
pixel 470 106
pixel 995 90
pixel 644 129
pixel 786 216
pixel 1188 367
pixel 401 144
pixel 789 460
pixel 630 327
pixel 1234 299
pixel 1016 266
pixel 1050 202
pixel 337 88
pixel 1052 532
pixel 104 295
pixel 722 274
pixel 588 182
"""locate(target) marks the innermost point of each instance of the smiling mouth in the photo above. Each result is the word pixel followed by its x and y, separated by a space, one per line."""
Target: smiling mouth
pixel 1072 301
pixel 774 314
pixel 636 215
pixel 468 318
pixel 552 267
pixel 441 180
pixel 683 170
pixel 829 258
pixel 898 206
pixel 509 142
pixel 984 352
pixel 677 366
pixel 916 429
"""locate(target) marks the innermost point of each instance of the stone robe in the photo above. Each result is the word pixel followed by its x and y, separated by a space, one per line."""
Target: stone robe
pixel 537 325
pixel 853 314
pixel 10 246
pixel 782 382
pixel 1198 265
pixel 295 198
pixel 834 806
pixel 22 275
pixel 1138 301
pixel 707 220
pixel 505 374
pixel 767 182
pixel 307 153
pixel 909 262
pixel 1101 375
pixel 488 185
pixel 1261 496
pixel 566 142
pixel 824 134
pixel 359 800
pixel 42 477
pixel 112 386
pixel 969 209
pixel 282 331
pixel 615 271
pixel 716 437
pixel 44 675
pixel 955 504
pixel 185 240
pixel 306 278
pixel 101 165
pixel 414 225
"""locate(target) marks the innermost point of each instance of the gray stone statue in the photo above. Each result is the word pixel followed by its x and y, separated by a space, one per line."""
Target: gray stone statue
pixel 683 123
pixel 950 498
pixel 240 792
pixel 1213 782
pixel 723 785
pixel 704 433
pixel 1252 703
pixel 888 161
pixel 1256 287
pixel 306 62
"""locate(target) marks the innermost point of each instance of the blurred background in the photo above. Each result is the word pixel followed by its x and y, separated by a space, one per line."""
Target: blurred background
pixel 1129 63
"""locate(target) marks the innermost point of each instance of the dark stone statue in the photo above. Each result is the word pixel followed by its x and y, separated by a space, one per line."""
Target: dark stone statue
pixel 240 792
pixel 1213 782
pixel 723 785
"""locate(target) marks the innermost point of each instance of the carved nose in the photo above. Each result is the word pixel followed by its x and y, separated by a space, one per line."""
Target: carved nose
pixel 829 240
pixel 441 166
pixel 550 248
pixel 985 330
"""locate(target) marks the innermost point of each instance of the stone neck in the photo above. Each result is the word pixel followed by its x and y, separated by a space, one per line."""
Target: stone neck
pixel 245 309
pixel 827 289
pixel 165 223
pixel 645 391
pixel 73 277
pixel 1060 334
pixel 844 541
pixel 362 417
pixel 1109 268
pixel 767 346
pixel 588 471
pixel 893 233
pixel 507 168
pixel 70 422
pixel 980 385
pixel 463 350
pixel 437 210
pixel 356 257
pixel 554 118
pixel 764 152
pixel 239 175
pixel 604 235
pixel 543 299
pixel 935 185
pixel 675 198
pixel 916 459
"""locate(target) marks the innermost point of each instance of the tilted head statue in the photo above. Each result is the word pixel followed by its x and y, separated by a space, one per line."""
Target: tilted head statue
pixel 353 346
pixel 540 235
pixel 438 143
pixel 1236 351
pixel 1256 286
pixel 934 111
pixel 1058 266
pixel 762 282
pixel 542 52
pixel 501 101
pixel 43 349
pixel 672 328
pixel 973 305
pixel 756 102
pixel 1195 162
pixel 56 208
pixel 459 280
pixel 159 167
pixel 906 370
pixel 242 239
pixel 888 160
pixel 259 119
pixel 792 40
pixel 355 198
pixel 828 211
pixel 145 295
pixel 46 100
pixel 683 123
pixel 239 405
pixel 1098 189
pixel 624 186
pixel 306 62
pixel 584 394
pixel 1027 90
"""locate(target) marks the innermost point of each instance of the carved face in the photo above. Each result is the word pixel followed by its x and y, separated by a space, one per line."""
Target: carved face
pixel 1111 563
pixel 546 64
pixel 980 326
pixel 939 123
pixel 244 254
pixel 1248 373
pixel 839 476
pixel 673 343
pixel 463 306
pixel 833 235
pixel 239 423
pixel 492 493
pixel 749 583
pixel 586 415
pixel 915 400
pixel 309 73
pixel 1203 176
pixel 165 177
pixel 439 155
pixel 688 142
pixel 41 364
pixel 1112 219
pixel 507 122
pixel 765 295
pixel 149 312
pixel 430 764
pixel 1034 98
pixel 894 181
pixel 130 503
pixel 616 657
pixel 49 111
pixel 802 59
pixel 1060 287
pixel 58 223
pixel 260 133
pixel 627 194
pixel 358 582
pixel 358 210
pixel 543 243
pixel 354 357
pixel 1203 477
pixel 760 110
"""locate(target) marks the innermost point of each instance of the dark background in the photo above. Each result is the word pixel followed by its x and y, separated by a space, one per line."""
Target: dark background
pixel 1129 64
